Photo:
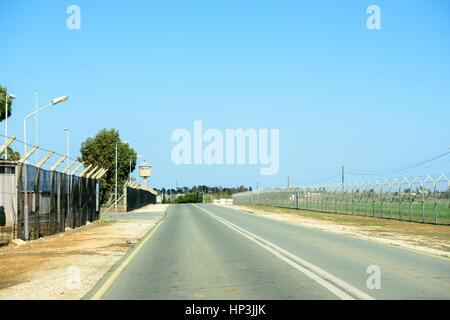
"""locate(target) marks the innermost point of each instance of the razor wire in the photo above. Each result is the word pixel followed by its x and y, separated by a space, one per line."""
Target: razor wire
pixel 55 201
pixel 425 199
pixel 36 202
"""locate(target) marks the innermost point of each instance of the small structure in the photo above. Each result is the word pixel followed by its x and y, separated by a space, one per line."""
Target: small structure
pixel 223 201
pixel 8 199
pixel 145 171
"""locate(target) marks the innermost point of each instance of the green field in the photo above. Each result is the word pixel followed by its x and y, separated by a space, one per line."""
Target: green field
pixel 428 212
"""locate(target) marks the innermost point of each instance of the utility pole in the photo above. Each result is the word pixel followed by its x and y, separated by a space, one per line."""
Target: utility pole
pixel 115 202
pixel 68 176
pixel 36 121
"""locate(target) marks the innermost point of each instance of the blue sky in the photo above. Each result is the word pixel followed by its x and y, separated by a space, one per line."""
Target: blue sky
pixel 339 93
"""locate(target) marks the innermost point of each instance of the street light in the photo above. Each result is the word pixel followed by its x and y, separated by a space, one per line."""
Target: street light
pixel 68 154
pixel 60 99
pixel 115 193
pixel 36 123
pixel 68 183
pixel 25 209
pixel 54 101
pixel 6 120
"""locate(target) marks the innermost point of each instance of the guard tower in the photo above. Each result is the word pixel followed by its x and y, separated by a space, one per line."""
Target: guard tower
pixel 145 171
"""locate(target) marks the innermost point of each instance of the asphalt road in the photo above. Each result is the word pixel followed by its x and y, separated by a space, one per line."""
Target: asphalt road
pixel 204 251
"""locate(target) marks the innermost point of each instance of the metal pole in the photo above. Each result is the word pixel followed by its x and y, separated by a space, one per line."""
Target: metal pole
pixel 25 175
pixel 37 124
pixel 410 202
pixel 6 125
pixel 423 201
pixel 400 200
pixel 115 202
pixel 54 101
pixel 68 180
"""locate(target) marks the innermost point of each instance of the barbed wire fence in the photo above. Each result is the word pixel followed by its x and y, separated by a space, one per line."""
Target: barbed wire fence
pixel 37 200
pixel 18 146
pixel 137 196
pixel 414 199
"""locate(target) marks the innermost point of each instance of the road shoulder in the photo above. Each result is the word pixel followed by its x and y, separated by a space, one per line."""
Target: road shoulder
pixel 68 265
pixel 424 238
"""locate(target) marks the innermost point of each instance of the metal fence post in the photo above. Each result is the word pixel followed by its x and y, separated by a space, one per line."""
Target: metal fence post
pixel 381 199
pixel 410 202
pixel 423 201
pixel 435 202
pixel 25 175
pixel 380 194
pixel 400 200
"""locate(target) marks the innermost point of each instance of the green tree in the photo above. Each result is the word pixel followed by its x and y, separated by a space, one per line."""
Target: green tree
pixel 12 155
pixel 101 151
pixel 3 92
pixel 194 197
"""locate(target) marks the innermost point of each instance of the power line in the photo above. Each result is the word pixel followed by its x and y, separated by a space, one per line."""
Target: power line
pixel 368 173
pixel 330 178
pixel 335 173
pixel 433 165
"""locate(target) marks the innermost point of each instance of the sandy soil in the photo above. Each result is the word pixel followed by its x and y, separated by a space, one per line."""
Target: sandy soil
pixel 425 238
pixel 68 265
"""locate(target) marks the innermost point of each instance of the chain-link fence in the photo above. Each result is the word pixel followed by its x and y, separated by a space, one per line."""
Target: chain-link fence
pixel 55 201
pixel 413 199
pixel 38 202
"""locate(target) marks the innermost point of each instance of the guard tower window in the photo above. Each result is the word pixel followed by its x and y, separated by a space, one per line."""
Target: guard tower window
pixel 7 170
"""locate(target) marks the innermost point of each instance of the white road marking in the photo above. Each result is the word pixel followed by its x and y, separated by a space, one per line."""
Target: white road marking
pixel 327 280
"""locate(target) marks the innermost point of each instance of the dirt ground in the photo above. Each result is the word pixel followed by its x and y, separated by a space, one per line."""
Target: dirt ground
pixel 68 265
pixel 425 238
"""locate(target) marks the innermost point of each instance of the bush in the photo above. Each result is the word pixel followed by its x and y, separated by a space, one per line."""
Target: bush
pixel 190 198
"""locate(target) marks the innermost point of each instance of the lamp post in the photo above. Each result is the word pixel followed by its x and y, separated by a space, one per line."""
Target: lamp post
pixel 25 207
pixel 6 119
pixel 36 123
pixel 115 196
pixel 68 176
